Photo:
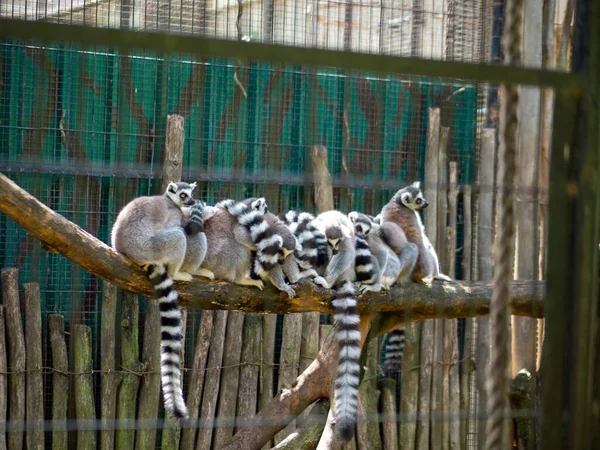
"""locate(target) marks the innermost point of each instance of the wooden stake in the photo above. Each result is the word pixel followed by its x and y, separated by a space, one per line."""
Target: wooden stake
pixel 3 380
pixel 35 382
pixel 85 408
pixel 16 354
pixel 247 400
pixel 388 409
pixel 60 379
pixel 110 380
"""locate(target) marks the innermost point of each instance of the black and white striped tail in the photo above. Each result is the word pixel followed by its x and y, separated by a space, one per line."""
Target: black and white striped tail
pixel 268 242
pixel 170 342
pixel 394 351
pixel 348 375
pixel 195 222
pixel 313 252
pixel 363 264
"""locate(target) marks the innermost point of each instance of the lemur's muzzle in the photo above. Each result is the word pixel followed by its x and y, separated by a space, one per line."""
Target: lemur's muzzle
pixel 189 201
pixel 425 204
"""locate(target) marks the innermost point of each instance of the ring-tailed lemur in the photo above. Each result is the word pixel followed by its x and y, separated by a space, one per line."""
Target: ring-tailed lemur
pixel 403 210
pixel 151 231
pixel 394 267
pixel 340 273
pixel 196 241
pixel 311 252
pixel 394 351
pixel 367 267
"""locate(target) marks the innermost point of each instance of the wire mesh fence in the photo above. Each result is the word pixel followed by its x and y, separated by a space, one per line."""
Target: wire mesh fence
pixel 83 129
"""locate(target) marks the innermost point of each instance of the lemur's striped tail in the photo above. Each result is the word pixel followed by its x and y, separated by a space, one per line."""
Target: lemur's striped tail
pixel 195 222
pixel 268 242
pixel 363 265
pixel 313 243
pixel 170 342
pixel 394 351
pixel 348 374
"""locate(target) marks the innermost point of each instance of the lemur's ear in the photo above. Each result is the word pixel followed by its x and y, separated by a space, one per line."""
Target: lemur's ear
pixel 193 185
pixel 416 184
pixel 172 187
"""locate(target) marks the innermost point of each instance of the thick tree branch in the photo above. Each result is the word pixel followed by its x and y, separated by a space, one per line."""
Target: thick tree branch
pixel 441 299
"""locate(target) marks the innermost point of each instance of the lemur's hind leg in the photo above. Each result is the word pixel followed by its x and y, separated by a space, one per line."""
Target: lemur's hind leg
pixel 169 248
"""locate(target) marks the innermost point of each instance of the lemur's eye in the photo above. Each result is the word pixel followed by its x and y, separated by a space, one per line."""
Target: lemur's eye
pixel 183 195
pixel 419 201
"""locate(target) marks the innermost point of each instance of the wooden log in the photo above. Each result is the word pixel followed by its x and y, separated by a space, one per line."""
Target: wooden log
pixel 267 377
pixel 149 393
pixel 310 339
pixel 247 400
pixel 307 437
pixel 389 423
pixel 212 381
pixel 188 436
pixel 450 238
pixel 3 381
pixel 423 425
pixel 367 426
pixel 321 178
pixel 485 234
pixel 60 380
pixel 130 380
pixel 438 381
pixel 172 431
pixel 452 385
pixel 16 359
pixel 442 212
pixel 35 380
pixel 173 157
pixel 229 379
pixel 431 185
pixel 110 381
pixel 85 408
pixel 409 400
pixel 467 233
pixel 289 360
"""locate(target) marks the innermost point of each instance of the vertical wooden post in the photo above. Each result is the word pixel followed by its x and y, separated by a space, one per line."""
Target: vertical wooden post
pixel 289 361
pixel 110 379
pixel 321 178
pixel 268 360
pixel 388 410
pixel 485 244
pixel 367 428
pixel 188 436
pixel 173 157
pixel 60 379
pixel 3 381
pixel 442 213
pixel 424 399
pixel 212 381
pixel 128 390
pixel 16 354
pixel 229 378
pixel 249 370
pixel 431 185
pixel 85 408
pixel 409 398
pixel 35 382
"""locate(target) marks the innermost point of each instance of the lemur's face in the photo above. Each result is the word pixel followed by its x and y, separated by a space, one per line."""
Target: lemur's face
pixel 181 193
pixel 411 197
pixel 362 223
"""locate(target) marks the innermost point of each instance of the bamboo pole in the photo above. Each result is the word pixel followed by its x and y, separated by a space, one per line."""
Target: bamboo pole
pixel 60 379
pixel 247 400
pixel 3 380
pixel 110 381
pixel 289 361
pixel 409 399
pixel 388 409
pixel 85 408
pixel 196 384
pixel 35 381
pixel 172 431
pixel 229 378
pixel 130 381
pixel 212 381
pixel 268 360
pixel 149 393
pixel 16 354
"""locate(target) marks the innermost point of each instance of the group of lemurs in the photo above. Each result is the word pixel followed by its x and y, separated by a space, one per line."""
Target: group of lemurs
pixel 174 236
